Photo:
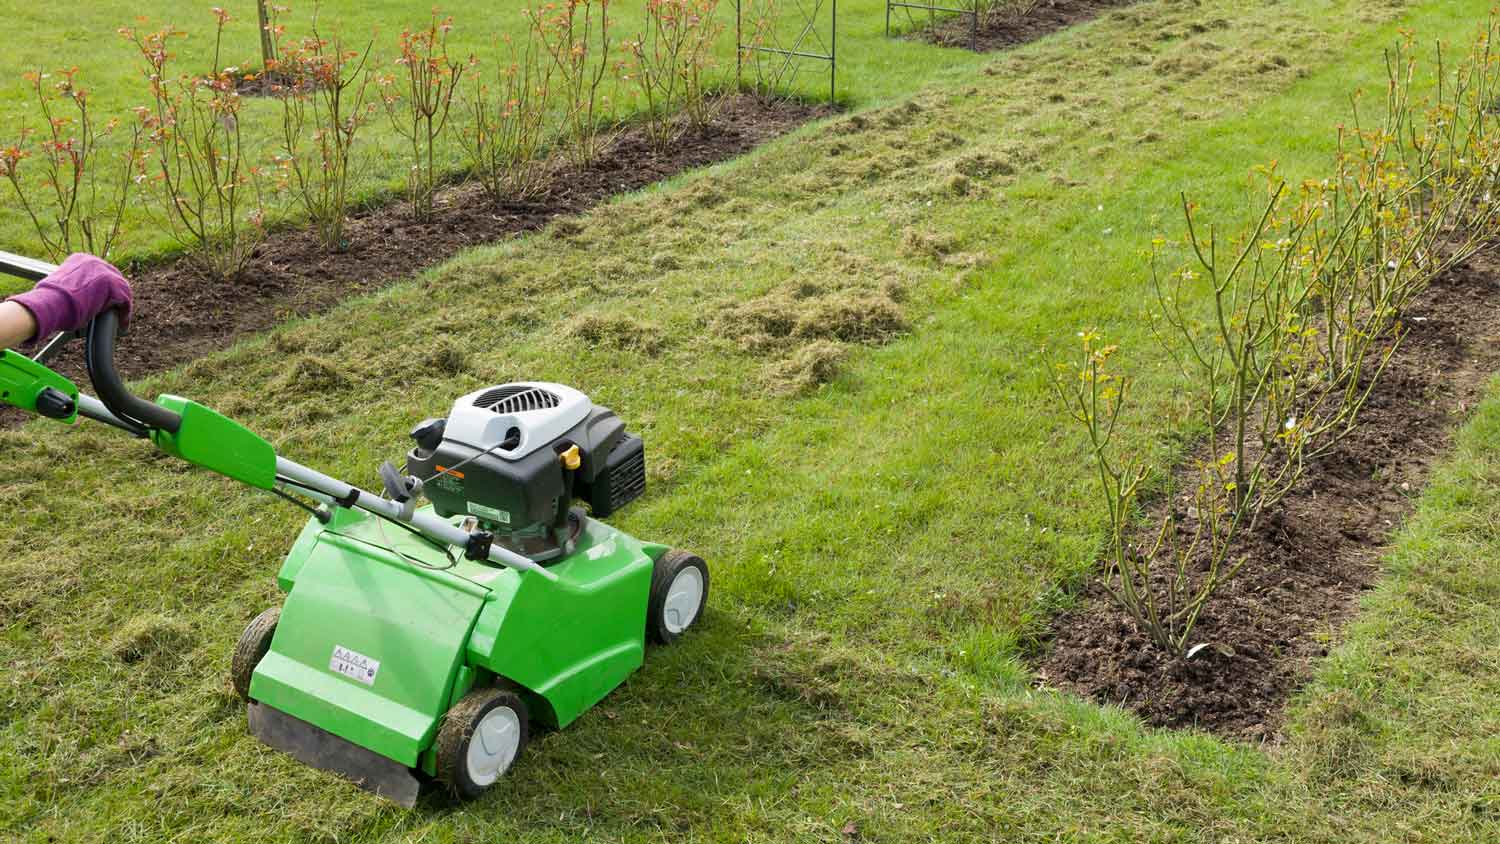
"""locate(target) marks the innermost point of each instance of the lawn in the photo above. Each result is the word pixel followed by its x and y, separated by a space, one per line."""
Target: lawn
pixel 887 546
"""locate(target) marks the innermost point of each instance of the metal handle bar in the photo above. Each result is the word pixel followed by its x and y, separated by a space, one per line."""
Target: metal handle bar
pixel 116 406
pixel 434 527
pixel 23 267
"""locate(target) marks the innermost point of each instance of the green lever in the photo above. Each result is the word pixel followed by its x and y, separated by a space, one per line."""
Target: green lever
pixel 212 440
pixel 34 388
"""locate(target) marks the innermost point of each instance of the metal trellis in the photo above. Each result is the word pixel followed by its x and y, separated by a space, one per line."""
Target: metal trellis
pixel 972 13
pixel 808 39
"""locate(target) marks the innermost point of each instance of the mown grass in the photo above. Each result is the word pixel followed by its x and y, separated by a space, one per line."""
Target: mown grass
pixel 1403 713
pixel 871 68
pixel 886 546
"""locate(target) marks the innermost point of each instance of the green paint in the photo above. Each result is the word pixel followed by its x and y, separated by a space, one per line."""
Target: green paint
pixel 363 598
pixel 22 380
pixel 212 440
pixel 573 641
pixel 380 592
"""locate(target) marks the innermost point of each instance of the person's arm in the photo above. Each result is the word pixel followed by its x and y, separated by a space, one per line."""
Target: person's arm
pixel 67 300
pixel 17 325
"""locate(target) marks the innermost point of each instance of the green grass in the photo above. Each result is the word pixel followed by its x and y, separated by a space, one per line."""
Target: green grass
pixel 885 547
pixel 871 68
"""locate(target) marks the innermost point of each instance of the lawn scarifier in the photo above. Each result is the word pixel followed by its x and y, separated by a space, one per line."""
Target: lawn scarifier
pixel 393 657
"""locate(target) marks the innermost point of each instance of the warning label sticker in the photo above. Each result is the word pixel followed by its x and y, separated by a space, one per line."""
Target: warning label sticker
pixel 491 513
pixel 354 665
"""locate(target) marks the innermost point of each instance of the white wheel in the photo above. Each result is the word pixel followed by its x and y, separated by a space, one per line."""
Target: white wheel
pixel 496 741
pixel 679 590
pixel 684 599
pixel 481 737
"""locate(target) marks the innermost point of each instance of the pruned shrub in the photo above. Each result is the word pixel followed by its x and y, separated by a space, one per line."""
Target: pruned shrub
pixel 576 37
pixel 323 91
pixel 79 202
pixel 1282 335
pixel 201 169
pixel 508 119
pixel 671 60
pixel 419 99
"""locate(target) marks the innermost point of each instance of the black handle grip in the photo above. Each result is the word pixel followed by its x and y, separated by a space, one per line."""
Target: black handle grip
pixel 55 404
pixel 101 366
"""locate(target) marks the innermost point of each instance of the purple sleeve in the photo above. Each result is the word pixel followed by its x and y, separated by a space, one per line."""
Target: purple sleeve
pixel 82 288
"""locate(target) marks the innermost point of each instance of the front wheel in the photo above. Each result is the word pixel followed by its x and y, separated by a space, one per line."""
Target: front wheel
pixel 480 739
pixel 252 647
pixel 679 591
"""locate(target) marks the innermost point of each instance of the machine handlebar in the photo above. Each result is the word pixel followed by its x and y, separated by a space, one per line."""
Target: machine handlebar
pixel 22 267
pixel 100 360
pixel 100 356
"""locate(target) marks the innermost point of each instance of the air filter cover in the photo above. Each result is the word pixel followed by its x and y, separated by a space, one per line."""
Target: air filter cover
pixel 534 414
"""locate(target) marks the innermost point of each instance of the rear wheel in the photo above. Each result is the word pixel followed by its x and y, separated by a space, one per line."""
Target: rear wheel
pixel 251 649
pixel 679 591
pixel 481 737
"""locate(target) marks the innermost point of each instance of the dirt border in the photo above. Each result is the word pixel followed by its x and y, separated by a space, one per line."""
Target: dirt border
pixel 1001 31
pixel 179 316
pixel 1311 559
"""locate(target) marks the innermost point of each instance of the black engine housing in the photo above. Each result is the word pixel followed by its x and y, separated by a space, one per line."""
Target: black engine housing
pixel 515 495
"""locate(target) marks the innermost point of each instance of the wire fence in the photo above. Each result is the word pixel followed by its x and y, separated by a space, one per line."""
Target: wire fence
pixel 783 46
pixel 972 13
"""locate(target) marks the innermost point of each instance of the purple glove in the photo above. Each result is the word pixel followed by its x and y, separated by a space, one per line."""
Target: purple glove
pixel 81 289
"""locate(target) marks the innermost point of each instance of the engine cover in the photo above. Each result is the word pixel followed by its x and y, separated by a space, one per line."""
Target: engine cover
pixel 512 436
pixel 536 414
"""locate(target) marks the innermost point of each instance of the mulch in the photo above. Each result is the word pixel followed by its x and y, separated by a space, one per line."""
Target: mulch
pixel 1310 560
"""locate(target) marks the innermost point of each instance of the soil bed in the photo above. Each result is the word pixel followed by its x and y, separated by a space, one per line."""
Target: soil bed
pixel 998 31
pixel 1310 560
pixel 256 83
pixel 179 316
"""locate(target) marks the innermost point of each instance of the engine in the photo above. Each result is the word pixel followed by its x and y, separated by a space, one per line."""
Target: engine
pixel 518 456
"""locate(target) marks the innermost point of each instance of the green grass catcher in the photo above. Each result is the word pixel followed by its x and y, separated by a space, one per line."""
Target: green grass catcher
pixel 424 642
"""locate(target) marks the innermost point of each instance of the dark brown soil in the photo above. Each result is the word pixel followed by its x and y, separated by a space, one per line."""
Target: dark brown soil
pixel 1310 560
pixel 256 84
pixel 179 316
pixel 998 31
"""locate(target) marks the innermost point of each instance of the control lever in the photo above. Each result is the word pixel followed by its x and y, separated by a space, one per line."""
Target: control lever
pixel 401 489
